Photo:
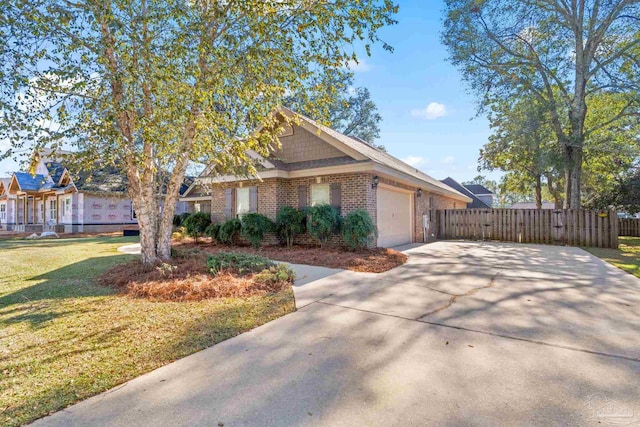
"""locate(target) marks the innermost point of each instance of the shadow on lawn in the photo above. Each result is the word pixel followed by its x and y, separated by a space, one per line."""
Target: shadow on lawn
pixel 102 372
pixel 36 303
pixel 10 244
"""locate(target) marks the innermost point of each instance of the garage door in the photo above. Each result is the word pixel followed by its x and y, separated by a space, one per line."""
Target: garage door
pixel 394 217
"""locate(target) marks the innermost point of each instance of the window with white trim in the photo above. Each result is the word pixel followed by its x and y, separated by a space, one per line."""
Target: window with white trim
pixel 66 208
pixel 52 210
pixel 243 201
pixel 320 194
pixel 3 212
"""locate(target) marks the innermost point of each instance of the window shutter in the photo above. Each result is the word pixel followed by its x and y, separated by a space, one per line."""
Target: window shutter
pixel 302 196
pixel 253 199
pixel 228 203
pixel 336 197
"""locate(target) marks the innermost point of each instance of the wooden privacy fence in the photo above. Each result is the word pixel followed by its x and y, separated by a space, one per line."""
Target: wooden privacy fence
pixel 574 227
pixel 629 227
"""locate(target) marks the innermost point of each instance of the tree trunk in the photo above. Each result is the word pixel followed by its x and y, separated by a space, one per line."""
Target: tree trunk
pixel 555 192
pixel 538 188
pixel 568 160
pixel 147 215
pixel 576 179
pixel 147 241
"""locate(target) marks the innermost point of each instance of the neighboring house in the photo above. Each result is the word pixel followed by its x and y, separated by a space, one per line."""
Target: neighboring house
pixel 318 165
pixel 194 198
pixel 49 199
pixel 532 205
pixel 481 192
pixel 481 200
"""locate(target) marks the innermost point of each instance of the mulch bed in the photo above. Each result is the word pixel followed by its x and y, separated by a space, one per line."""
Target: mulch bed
pixel 183 279
pixel 369 261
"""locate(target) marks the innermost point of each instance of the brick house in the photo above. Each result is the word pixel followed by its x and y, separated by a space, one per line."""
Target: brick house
pixel 315 165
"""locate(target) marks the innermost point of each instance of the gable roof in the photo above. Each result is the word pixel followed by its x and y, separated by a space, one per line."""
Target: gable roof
pixel 478 189
pixel 55 170
pixel 4 185
pixel 475 203
pixel 28 182
pixel 360 150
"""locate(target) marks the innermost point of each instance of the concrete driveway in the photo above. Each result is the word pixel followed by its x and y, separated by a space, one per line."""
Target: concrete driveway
pixel 463 334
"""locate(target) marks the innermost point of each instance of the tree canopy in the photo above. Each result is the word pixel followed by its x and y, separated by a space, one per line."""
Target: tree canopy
pixel 351 112
pixel 153 85
pixel 562 53
pixel 522 144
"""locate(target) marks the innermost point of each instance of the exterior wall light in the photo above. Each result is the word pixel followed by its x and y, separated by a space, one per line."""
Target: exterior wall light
pixel 419 192
pixel 376 180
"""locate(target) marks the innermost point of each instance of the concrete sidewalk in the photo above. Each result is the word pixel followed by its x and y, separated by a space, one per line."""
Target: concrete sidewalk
pixel 463 334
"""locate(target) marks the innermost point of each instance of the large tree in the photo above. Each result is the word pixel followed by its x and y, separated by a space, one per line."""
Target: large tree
pixel 522 145
pixel 153 85
pixel 562 52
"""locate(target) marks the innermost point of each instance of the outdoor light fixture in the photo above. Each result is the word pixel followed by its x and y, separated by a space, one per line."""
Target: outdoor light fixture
pixel 375 182
pixel 419 192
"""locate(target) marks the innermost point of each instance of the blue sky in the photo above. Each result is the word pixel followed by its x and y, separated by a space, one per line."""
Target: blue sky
pixel 428 116
pixel 443 139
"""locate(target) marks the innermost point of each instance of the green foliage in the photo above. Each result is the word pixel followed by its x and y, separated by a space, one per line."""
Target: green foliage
pixel 323 222
pixel 151 86
pixel 275 274
pixel 213 231
pixel 523 145
pixel 290 222
pixel 624 196
pixel 229 231
pixel 564 54
pixel 179 234
pixel 238 263
pixel 179 219
pixel 352 112
pixel 196 224
pixel 254 227
pixel 358 229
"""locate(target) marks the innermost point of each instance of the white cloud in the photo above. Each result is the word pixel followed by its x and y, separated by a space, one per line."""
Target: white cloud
pixel 448 160
pixel 359 66
pixel 433 111
pixel 416 161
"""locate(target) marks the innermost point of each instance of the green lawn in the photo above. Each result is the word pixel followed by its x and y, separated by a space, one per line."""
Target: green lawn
pixel 64 338
pixel 627 257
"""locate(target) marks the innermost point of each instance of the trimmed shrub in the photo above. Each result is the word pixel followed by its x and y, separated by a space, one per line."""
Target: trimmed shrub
pixel 179 234
pixel 323 222
pixel 238 263
pixel 358 229
pixel 289 223
pixel 213 231
pixel 275 274
pixel 196 224
pixel 179 219
pixel 229 231
pixel 254 227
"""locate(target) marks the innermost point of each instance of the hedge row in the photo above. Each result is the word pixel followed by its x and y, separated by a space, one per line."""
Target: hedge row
pixel 321 222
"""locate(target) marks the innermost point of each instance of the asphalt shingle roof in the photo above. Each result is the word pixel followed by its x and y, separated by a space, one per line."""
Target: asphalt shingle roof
pixel 313 164
pixel 475 203
pixel 478 189
pixel 28 182
pixel 379 156
pixel 55 170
